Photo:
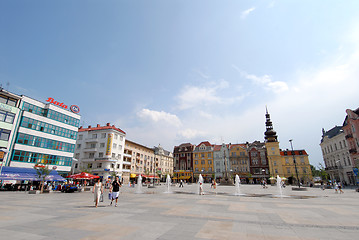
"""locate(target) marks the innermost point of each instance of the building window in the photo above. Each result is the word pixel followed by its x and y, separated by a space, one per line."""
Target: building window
pixel 103 135
pixel 102 145
pixel 202 162
pixel 100 154
pixel 116 136
pixel 89 165
pixel 91 155
pixel 209 155
pixel 202 155
pixel 113 155
pixel 94 136
pixel 114 145
pixel 8 101
pixel 275 163
pixel 304 170
pixel 276 170
pixel 286 161
pixel 288 170
pixel 80 137
pixel 4 134
pixel 210 162
pixel 99 165
pixel 210 169
pixel 196 169
pixel 302 160
pixel 6 117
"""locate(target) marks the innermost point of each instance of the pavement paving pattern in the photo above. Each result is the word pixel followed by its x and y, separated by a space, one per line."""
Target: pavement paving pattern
pixel 219 214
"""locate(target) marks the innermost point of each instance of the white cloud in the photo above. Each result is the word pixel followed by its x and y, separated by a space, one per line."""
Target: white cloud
pixel 190 133
pixel 157 116
pixel 194 96
pixel 265 81
pixel 245 13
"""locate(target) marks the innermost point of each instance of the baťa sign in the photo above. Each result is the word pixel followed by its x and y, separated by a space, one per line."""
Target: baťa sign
pixel 73 108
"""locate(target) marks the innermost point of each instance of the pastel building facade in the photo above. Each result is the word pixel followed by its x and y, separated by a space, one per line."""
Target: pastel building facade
pixel 239 160
pixel 183 162
pixel 100 150
pixel 336 155
pixel 351 130
pixel 203 161
pixel 220 160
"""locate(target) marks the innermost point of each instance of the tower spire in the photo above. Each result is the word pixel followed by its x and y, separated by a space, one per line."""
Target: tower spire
pixel 270 135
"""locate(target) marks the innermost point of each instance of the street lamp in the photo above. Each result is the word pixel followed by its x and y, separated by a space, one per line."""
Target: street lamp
pixel 295 163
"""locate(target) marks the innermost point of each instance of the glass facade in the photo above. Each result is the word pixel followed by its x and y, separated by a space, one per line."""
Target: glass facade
pixel 44 143
pixel 51 114
pixel 30 157
pixel 47 128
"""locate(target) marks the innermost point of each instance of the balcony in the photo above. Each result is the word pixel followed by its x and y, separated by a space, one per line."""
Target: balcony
pixel 348 136
pixel 352 150
pixel 126 163
pixel 89 140
pixel 90 149
pixel 127 155
pixel 331 168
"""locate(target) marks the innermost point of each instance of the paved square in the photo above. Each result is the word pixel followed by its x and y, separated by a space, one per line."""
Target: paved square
pixel 259 214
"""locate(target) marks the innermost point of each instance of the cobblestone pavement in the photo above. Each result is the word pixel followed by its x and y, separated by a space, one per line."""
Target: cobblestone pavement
pixel 219 214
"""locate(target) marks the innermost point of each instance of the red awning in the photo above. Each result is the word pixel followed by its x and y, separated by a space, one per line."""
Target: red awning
pixel 83 175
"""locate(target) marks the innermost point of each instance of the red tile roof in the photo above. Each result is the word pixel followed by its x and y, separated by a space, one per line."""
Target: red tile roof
pixel 296 152
pixel 98 127
pixel 205 143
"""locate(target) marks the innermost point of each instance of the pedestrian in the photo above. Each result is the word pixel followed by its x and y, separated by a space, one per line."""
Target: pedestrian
pixel 181 183
pixel 201 189
pixel 115 189
pixel 340 187
pixel 335 187
pixel 98 191
pixel 214 184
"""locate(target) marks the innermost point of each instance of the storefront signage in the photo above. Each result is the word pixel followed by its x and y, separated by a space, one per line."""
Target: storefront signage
pixel 109 144
pixel 73 108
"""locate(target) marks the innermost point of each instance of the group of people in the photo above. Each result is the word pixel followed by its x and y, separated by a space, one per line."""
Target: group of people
pixel 113 194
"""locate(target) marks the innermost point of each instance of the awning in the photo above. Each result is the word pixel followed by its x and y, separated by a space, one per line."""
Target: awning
pixel 184 177
pixel 17 173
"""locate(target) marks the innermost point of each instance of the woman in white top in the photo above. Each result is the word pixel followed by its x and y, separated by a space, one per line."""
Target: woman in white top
pixel 97 190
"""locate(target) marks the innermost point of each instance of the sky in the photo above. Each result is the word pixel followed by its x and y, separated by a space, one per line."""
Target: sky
pixel 172 72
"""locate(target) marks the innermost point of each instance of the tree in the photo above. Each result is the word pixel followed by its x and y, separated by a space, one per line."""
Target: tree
pixel 319 172
pixel 42 172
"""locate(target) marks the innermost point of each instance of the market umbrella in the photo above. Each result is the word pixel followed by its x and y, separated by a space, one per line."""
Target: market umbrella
pixel 83 175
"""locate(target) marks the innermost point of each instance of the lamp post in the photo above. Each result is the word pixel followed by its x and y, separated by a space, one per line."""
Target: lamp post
pixel 154 169
pixel 295 163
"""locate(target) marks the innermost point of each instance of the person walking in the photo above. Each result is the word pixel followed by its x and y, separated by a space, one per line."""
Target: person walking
pixel 115 189
pixel 181 183
pixel 98 191
pixel 340 187
pixel 200 189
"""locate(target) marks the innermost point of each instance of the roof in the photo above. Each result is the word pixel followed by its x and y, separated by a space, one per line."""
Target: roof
pixel 205 143
pixel 98 128
pixel 242 145
pixel 332 132
pixel 296 152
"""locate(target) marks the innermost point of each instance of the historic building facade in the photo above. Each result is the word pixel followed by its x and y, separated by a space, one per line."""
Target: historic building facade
pixel 239 160
pixel 351 130
pixel 164 162
pixel 336 155
pixel 287 164
pixel 183 162
pixel 221 160
pixel 203 161
pixel 259 168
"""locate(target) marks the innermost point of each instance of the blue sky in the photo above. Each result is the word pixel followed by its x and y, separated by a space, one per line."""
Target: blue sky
pixel 168 72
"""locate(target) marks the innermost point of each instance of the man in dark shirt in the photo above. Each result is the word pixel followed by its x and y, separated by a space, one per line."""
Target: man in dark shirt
pixel 115 188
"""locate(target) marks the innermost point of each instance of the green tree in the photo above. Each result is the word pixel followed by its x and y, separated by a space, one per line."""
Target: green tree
pixel 42 172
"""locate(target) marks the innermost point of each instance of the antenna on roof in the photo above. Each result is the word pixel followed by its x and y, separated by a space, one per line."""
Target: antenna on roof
pixel 7 86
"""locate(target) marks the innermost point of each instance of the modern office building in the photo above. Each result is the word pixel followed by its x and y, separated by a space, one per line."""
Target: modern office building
pixel 100 150
pixel 9 120
pixel 46 134
pixel 336 155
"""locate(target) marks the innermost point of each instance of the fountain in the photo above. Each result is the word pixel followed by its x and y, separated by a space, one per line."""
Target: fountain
pixel 279 186
pixel 200 184
pixel 237 186
pixel 139 184
pixel 168 184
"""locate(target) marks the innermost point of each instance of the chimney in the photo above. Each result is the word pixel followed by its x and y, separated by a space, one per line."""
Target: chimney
pixel 108 124
pixel 113 125
pixel 98 125
pixel 80 127
pixel 89 126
